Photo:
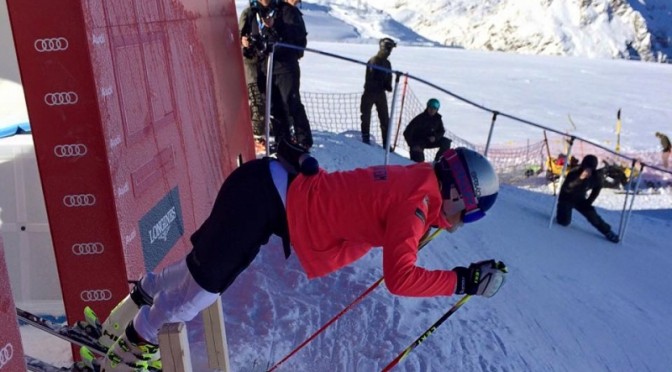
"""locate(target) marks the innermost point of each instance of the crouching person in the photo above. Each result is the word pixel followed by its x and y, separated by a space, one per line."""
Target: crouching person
pixel 573 196
pixel 426 131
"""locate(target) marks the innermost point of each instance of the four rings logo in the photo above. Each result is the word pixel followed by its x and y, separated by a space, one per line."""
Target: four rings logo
pixel 70 151
pixel 6 354
pixel 79 200
pixel 60 98
pixel 54 44
pixel 95 295
pixel 81 249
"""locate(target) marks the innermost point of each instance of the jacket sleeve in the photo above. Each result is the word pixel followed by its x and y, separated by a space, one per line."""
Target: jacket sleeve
pixel 440 130
pixel 571 182
pixel 243 24
pixel 292 30
pixel 400 249
pixel 388 76
pixel 596 188
pixel 410 132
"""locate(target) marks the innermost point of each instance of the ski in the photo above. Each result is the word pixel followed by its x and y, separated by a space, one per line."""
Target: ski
pixel 76 335
pixel 36 365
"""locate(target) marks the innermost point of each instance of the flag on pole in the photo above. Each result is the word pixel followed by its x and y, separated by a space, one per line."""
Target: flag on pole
pixel 618 130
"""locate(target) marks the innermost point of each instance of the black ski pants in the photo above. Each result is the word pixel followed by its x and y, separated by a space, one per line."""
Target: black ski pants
pixel 247 211
pixel 288 110
pixel 564 214
pixel 417 151
pixel 370 99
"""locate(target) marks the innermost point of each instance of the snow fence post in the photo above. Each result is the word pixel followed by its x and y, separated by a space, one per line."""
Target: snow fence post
pixel 174 346
pixel 215 337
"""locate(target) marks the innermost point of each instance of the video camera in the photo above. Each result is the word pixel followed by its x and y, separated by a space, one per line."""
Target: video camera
pixel 260 44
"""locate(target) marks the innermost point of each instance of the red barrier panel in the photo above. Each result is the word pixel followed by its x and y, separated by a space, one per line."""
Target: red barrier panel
pixel 138 110
pixel 11 350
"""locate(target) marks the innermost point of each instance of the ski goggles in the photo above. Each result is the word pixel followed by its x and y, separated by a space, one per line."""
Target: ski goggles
pixel 453 170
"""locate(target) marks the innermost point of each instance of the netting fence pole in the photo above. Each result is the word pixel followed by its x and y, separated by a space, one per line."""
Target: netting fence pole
pixel 391 119
pixel 624 224
pixel 401 112
pixel 549 160
pixel 492 128
pixel 267 109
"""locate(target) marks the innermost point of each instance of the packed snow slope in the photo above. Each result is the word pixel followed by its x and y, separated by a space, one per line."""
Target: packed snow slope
pixel 572 301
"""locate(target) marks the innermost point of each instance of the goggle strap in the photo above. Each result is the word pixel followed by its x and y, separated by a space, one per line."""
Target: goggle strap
pixel 462 180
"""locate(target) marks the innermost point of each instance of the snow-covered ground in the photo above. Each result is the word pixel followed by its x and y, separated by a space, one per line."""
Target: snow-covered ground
pixel 572 301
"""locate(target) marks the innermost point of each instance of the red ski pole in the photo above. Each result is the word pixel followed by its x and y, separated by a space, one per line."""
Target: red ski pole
pixel 375 285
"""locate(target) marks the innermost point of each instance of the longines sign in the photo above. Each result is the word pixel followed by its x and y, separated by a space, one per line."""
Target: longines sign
pixel 161 227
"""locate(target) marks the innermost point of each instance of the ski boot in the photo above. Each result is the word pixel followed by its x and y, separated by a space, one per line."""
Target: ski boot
pixel 123 314
pixel 89 362
pixel 612 237
pixel 131 353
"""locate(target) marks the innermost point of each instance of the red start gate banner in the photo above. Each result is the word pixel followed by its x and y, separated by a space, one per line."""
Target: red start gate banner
pixel 11 351
pixel 139 111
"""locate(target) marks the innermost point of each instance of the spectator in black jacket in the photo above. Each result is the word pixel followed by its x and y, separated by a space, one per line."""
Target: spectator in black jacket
pixel 283 23
pixel 573 196
pixel 252 62
pixel 426 131
pixel 375 84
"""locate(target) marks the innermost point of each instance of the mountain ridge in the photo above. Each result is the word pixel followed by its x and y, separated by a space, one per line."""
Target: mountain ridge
pixel 609 29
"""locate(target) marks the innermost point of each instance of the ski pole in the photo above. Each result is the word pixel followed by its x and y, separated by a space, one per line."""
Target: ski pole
pixel 427 333
pixel 375 285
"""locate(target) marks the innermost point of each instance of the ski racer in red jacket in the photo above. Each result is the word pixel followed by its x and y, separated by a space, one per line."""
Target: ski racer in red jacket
pixel 331 219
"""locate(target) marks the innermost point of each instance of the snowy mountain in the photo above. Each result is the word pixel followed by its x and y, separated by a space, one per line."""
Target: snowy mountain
pixel 631 29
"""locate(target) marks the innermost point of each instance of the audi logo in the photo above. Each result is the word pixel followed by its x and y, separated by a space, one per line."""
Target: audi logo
pixel 54 44
pixel 6 354
pixel 81 249
pixel 79 200
pixel 60 98
pixel 70 150
pixel 95 295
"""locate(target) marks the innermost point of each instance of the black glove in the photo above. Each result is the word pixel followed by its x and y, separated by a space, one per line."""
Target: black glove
pixel 482 278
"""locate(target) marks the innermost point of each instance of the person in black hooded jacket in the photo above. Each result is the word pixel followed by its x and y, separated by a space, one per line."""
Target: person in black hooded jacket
pixel 573 196
pixel 426 131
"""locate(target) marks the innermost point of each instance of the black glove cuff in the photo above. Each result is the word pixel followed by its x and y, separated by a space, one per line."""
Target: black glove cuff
pixel 462 276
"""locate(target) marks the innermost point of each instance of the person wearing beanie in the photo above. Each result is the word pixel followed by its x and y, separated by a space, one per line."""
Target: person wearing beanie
pixel 426 131
pixel 377 81
pixel 573 196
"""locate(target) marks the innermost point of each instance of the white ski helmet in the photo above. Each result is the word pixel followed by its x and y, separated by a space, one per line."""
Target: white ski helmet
pixel 478 190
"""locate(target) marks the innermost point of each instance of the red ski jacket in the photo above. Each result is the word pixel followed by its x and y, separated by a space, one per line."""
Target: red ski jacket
pixel 336 218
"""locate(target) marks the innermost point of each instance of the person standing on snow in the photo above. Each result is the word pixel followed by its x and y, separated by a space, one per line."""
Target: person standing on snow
pixel 573 196
pixel 252 62
pixel 667 148
pixel 426 131
pixel 270 22
pixel 331 222
pixel 376 83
